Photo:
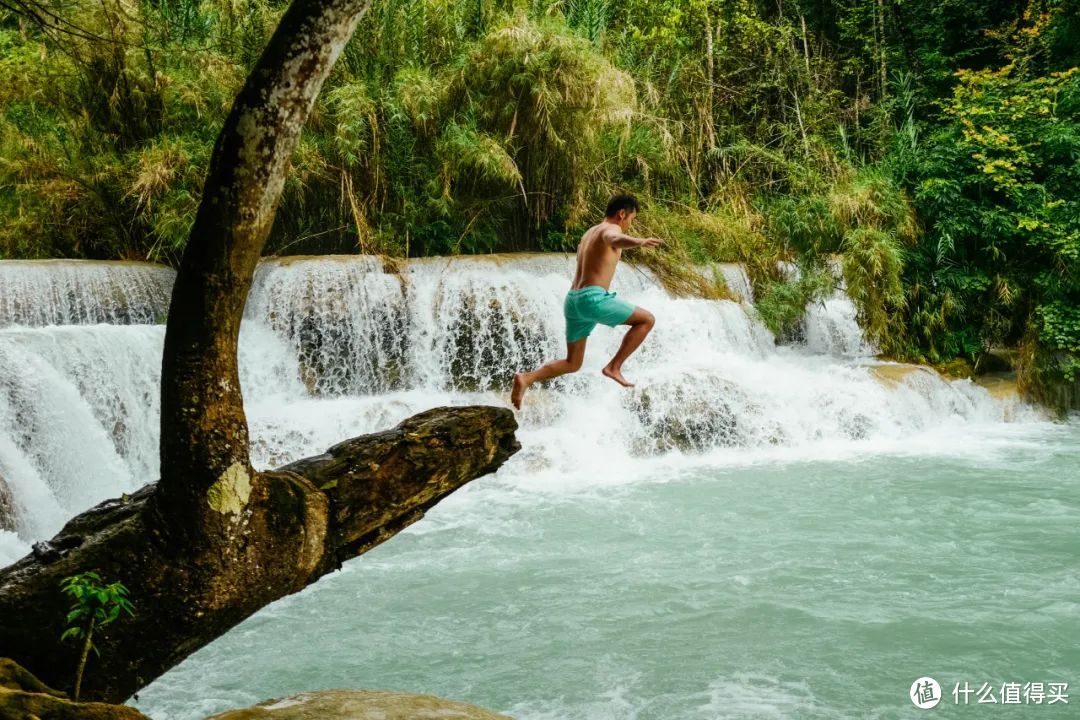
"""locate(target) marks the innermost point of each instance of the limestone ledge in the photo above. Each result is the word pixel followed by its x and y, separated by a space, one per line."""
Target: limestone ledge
pixel 360 705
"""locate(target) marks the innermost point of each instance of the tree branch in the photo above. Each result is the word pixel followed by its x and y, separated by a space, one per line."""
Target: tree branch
pixel 302 522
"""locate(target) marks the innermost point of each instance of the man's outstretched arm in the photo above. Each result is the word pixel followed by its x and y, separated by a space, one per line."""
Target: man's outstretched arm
pixel 621 241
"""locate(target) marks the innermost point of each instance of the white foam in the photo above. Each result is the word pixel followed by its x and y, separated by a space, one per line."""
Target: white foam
pixel 12 547
pixel 335 347
pixel 65 292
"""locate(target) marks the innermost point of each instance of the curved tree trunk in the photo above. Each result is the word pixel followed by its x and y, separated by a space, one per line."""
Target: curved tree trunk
pixel 204 435
pixel 214 541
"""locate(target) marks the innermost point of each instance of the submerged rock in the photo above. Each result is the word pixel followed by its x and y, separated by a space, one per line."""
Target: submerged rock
pixel 360 705
pixel 699 413
pixel 1001 386
pixel 892 374
pixel 1005 389
pixel 23 696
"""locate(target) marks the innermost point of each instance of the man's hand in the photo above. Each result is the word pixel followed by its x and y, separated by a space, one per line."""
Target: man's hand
pixel 651 242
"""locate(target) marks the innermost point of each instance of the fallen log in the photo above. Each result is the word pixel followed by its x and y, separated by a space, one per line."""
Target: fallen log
pixel 286 529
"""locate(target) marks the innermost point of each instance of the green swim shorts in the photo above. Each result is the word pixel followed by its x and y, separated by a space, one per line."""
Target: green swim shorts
pixel 587 306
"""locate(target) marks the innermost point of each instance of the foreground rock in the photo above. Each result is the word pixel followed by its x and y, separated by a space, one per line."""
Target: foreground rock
pixel 24 697
pixel 360 705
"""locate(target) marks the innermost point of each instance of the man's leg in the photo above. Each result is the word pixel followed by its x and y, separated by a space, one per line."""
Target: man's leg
pixel 575 354
pixel 641 321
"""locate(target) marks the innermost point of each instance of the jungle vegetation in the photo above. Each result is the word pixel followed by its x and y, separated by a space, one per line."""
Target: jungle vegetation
pixel 933 146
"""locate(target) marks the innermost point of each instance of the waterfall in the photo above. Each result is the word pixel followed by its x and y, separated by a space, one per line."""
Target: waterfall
pixel 332 347
pixel 830 328
pixel 70 292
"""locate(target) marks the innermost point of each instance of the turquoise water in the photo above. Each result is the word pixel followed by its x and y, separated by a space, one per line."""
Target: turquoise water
pixel 787 587
pixel 851 526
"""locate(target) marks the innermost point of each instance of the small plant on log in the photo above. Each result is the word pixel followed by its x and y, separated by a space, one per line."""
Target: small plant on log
pixel 94 604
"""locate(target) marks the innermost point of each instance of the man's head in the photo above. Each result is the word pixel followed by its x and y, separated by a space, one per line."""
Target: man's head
pixel 621 210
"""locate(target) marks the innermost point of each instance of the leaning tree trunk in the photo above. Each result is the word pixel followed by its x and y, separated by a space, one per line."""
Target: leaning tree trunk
pixel 298 523
pixel 213 541
pixel 204 435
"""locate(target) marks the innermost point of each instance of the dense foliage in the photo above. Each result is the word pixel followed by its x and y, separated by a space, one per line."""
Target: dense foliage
pixel 934 144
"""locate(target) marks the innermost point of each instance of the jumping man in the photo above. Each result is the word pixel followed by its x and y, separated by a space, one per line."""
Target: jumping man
pixel 589 302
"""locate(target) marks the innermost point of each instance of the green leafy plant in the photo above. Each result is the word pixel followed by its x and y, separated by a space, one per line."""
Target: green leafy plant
pixel 933 144
pixel 94 605
pixel 781 302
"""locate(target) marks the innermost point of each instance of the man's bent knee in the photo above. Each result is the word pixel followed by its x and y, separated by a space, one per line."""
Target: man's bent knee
pixel 573 364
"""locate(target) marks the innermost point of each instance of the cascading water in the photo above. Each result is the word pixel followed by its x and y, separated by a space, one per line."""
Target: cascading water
pixel 752 531
pixel 829 325
pixel 336 346
pixel 79 368
pixel 830 328
pixel 78 407
pixel 67 292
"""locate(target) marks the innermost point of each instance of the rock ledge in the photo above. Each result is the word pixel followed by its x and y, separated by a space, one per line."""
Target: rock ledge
pixel 360 705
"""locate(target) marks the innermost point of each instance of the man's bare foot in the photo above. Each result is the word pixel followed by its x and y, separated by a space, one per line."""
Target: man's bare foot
pixel 616 375
pixel 520 386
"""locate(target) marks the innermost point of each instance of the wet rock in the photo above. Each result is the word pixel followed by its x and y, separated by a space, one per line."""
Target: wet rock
pixel 997 360
pixel 493 329
pixel 7 507
pixel 956 368
pixel 24 697
pixel 360 705
pixel 1001 386
pixel 345 318
pixel 892 374
pixel 1005 388
pixel 856 425
pixel 698 414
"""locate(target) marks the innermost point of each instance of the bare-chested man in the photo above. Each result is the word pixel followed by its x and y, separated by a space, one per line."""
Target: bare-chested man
pixel 589 302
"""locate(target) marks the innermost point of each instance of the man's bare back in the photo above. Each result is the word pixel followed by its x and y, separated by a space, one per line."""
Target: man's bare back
pixel 589 301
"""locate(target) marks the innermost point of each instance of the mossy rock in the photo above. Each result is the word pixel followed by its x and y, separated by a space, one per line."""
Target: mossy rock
pixel 956 368
pixel 24 697
pixel 997 360
pixel 360 705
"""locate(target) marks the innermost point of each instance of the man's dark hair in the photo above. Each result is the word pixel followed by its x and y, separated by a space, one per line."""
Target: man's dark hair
pixel 621 202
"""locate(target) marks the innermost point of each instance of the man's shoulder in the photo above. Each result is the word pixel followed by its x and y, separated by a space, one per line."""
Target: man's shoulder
pixel 602 230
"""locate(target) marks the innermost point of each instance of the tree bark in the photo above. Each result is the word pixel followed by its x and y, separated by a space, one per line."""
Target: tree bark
pixel 710 81
pixel 213 541
pixel 204 435
pixel 806 49
pixel 300 522
pixel 879 38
